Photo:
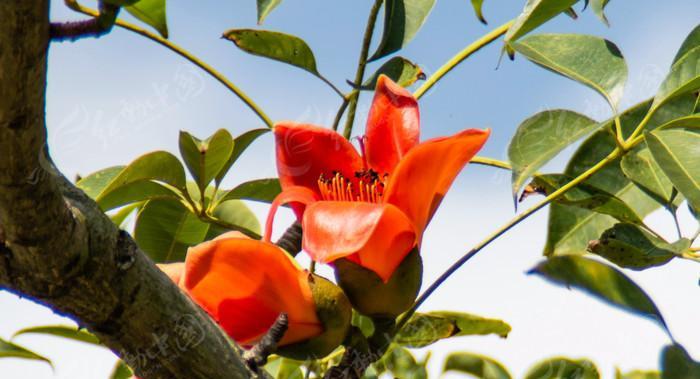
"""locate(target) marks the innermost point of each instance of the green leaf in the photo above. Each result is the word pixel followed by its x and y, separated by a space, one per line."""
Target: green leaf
pixel 264 190
pixel 629 246
pixel 165 229
pixel 403 364
pixel 541 137
pixel 563 368
pixel 592 61
pixel 399 69
pixel 601 281
pixel 586 196
pixel 236 213
pixel 677 364
pixel 571 228
pixel 640 167
pixel 477 5
pixel 677 152
pixel 136 192
pixel 206 158
pixel 638 374
pixel 683 78
pixel 240 144
pixel 158 166
pixel 427 328
pixel 121 371
pixel 265 7
pixel 536 13
pixel 691 41
pixel 11 350
pixel 119 217
pixel 598 7
pixel 64 331
pixel 283 368
pixel 476 365
pixel 151 12
pixel 96 182
pixel 364 323
pixel 274 45
pixel 402 21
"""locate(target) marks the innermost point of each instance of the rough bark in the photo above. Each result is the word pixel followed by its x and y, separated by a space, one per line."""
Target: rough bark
pixel 58 248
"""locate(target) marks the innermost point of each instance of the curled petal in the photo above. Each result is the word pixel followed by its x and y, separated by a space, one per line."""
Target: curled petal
pixel 393 126
pixel 305 152
pixel 424 175
pixel 244 284
pixel 377 236
pixel 298 197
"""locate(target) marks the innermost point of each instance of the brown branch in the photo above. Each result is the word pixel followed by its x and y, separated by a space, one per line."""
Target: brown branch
pixel 93 27
pixel 59 249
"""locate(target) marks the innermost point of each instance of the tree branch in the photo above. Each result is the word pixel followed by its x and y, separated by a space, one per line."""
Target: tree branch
pixel 58 248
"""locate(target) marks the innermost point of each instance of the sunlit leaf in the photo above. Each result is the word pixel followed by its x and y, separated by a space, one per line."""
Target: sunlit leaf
pixel 592 61
pixel 598 7
pixel 536 13
pixel 121 371
pixel 691 41
pixel 151 12
pixel 403 364
pixel 158 166
pixel 274 45
pixel 541 137
pixel 476 365
pixel 135 192
pixel 585 196
pixel 402 21
pixel 640 167
pixel 677 151
pixel 399 69
pixel 676 363
pixel 265 7
pixel 683 78
pixel 264 190
pixel 64 331
pixel 601 281
pixel 563 368
pixel 206 158
pixel 235 212
pixel 240 144
pixel 427 328
pixel 283 368
pixel 120 216
pixel 478 4
pixel 630 246
pixel 638 374
pixel 11 350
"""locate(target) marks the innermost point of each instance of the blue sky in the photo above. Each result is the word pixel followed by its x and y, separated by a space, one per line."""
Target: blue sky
pixel 117 97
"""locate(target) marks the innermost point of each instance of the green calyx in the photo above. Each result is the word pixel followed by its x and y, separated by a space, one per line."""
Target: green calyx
pixel 372 297
pixel 335 313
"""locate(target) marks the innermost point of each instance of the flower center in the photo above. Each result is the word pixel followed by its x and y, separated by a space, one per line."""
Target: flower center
pixel 367 186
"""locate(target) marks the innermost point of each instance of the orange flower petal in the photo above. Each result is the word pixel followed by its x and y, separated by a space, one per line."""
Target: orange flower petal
pixel 393 126
pixel 299 197
pixel 377 236
pixel 244 284
pixel 174 271
pixel 424 175
pixel 305 152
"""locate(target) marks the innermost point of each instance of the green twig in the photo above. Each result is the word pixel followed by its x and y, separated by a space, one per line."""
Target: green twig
pixel 513 222
pixel 185 54
pixel 361 65
pixel 461 56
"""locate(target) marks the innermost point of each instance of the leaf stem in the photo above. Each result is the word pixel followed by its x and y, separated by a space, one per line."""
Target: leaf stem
pixel 361 65
pixel 461 56
pixel 330 84
pixel 341 111
pixel 185 54
pixel 499 232
pixel 484 161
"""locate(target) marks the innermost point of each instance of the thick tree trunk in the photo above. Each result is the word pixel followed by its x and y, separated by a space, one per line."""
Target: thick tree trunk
pixel 57 247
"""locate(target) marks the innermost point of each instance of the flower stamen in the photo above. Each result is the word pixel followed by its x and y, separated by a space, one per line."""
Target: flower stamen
pixel 370 187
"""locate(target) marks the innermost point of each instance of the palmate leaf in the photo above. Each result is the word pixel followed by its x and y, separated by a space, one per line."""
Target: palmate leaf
pixel 476 365
pixel 402 21
pixel 601 281
pixel 570 228
pixel 563 368
pixel 592 61
pixel 541 137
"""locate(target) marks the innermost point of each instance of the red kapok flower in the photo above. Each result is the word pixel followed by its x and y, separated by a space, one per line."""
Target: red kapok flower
pixel 245 284
pixel 373 207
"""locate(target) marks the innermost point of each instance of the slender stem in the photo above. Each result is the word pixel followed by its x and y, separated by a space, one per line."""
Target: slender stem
pixel 491 162
pixel 185 54
pixel 330 84
pixel 619 138
pixel 461 56
pixel 339 115
pixel 513 222
pixel 676 222
pixel 361 65
pixel 633 137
